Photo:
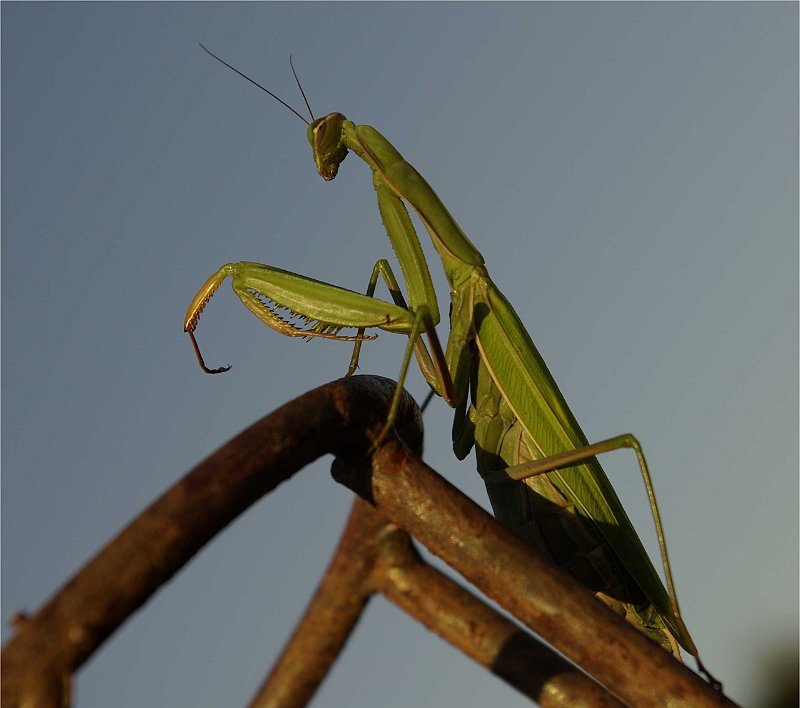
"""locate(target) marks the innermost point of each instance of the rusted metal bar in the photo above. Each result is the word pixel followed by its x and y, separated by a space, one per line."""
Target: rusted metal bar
pixel 342 418
pixel 375 556
pixel 542 596
pixel 483 634
pixel 330 617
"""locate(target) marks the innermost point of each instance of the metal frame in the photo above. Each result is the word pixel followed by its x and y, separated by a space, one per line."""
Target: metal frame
pixel 399 495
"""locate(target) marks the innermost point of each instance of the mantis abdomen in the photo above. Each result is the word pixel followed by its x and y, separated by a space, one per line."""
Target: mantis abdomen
pixel 544 510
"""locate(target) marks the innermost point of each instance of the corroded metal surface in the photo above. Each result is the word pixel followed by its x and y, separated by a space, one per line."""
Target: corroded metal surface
pixel 345 418
pixel 342 418
pixel 509 571
pixel 375 556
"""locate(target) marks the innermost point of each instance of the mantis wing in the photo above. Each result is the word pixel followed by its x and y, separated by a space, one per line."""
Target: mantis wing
pixel 528 388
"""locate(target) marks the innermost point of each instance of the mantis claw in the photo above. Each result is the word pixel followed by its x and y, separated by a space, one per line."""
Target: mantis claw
pixel 220 370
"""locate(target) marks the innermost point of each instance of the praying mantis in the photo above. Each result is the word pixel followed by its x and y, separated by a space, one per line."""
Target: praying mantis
pixel 542 476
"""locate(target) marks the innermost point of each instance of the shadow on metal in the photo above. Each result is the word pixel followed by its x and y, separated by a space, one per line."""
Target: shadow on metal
pixel 398 495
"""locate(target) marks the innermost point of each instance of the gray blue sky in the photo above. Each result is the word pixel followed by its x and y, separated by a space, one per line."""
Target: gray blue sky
pixel 630 173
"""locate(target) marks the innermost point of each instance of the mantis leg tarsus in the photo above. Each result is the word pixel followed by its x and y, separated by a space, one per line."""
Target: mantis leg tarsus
pixel 716 684
pixel 220 370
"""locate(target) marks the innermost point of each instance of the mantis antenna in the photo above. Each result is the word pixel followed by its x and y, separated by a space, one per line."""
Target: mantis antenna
pixel 266 90
pixel 299 85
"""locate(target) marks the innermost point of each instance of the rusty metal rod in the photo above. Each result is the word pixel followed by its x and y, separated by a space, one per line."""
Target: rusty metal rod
pixel 375 556
pixel 483 634
pixel 329 618
pixel 543 597
pixel 343 418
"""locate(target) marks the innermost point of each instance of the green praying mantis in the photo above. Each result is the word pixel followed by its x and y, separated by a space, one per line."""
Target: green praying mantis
pixel 541 474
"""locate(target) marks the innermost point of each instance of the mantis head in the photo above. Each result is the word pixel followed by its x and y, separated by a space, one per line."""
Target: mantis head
pixel 325 134
pixel 326 138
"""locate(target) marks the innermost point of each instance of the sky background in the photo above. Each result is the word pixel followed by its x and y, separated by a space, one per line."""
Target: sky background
pixel 629 172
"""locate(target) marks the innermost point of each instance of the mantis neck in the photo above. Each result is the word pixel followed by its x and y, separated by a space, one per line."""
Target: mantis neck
pixel 392 172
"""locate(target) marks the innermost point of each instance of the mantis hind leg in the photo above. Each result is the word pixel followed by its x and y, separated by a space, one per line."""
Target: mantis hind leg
pixel 582 454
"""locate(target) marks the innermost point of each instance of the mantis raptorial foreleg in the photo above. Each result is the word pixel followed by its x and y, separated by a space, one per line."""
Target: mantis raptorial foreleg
pixel 317 309
pixel 508 406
